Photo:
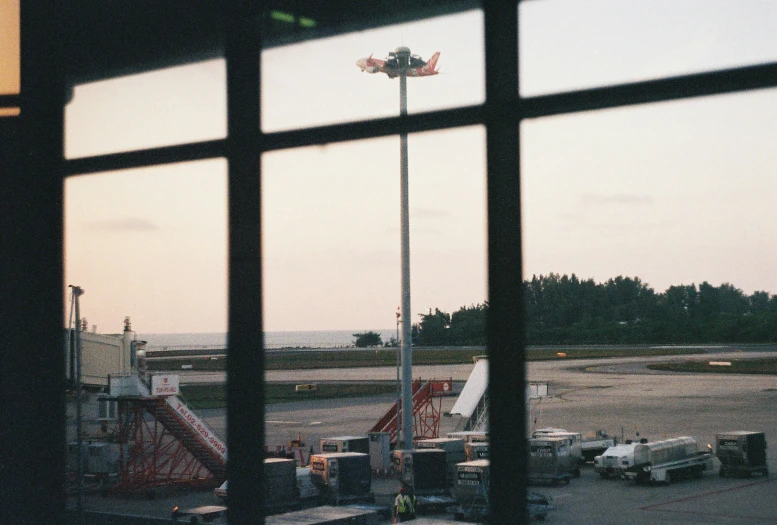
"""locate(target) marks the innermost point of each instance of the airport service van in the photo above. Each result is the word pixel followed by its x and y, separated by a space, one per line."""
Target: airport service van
pixel 663 461
pixel 615 460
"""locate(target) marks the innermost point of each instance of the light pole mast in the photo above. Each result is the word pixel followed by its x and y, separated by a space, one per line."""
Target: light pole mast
pixel 406 437
pixel 77 293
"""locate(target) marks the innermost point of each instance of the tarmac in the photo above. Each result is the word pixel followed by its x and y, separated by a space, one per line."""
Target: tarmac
pixel 620 396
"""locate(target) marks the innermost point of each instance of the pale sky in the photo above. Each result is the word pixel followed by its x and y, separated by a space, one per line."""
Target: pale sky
pixel 672 193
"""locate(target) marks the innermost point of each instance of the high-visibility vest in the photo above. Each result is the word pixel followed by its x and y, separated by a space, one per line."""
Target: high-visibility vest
pixel 402 502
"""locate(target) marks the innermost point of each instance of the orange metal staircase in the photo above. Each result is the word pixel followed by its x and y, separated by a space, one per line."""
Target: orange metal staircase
pixel 426 410
pixel 160 447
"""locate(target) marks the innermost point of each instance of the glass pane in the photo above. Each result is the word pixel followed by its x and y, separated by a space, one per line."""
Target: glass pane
pixel 331 263
pixel 568 44
pixel 318 83
pixel 161 108
pixel 650 229
pixel 149 249
pixel 331 230
pixel 9 47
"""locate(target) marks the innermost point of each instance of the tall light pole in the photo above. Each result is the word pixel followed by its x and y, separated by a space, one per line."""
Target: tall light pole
pixel 399 349
pixel 403 58
pixel 77 293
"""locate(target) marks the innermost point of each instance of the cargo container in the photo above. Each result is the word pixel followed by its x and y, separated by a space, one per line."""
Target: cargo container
pixel 472 481
pixel 574 442
pixel 471 492
pixel 471 489
pixel 342 476
pixel 454 453
pixel 550 460
pixel 741 453
pixel 345 444
pixel 423 470
pixel 615 460
pixel 469 436
pixel 662 461
pixel 476 450
pixel 380 452
pixel 281 492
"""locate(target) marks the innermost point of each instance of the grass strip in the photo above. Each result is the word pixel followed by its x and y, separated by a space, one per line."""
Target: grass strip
pixel 314 359
pixel 738 366
pixel 214 396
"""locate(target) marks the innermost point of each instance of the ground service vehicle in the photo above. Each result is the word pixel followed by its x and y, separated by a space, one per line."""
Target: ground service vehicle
pixel 596 443
pixel 615 460
pixel 662 461
pixel 741 453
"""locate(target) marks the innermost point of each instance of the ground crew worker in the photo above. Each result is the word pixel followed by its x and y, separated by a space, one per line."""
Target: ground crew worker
pixel 404 506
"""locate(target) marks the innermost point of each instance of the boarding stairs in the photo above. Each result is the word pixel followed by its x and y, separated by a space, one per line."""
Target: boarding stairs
pixel 427 402
pixel 478 420
pixel 164 442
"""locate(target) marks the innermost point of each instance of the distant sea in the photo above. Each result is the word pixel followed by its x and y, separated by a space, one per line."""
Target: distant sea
pixel 301 339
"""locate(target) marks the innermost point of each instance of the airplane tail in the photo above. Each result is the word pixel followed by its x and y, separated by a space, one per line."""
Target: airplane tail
pixel 432 63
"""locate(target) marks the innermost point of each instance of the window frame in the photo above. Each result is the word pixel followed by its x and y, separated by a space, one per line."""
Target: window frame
pixel 42 121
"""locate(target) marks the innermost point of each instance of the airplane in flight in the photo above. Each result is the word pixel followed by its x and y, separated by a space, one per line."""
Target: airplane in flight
pixel 390 66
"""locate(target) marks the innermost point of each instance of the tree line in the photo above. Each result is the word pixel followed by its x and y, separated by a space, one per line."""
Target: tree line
pixel 624 310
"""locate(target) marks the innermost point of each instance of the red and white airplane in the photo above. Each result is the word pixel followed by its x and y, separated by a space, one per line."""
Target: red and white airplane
pixel 390 66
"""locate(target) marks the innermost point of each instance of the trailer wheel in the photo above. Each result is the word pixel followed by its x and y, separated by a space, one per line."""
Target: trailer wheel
pixel 604 475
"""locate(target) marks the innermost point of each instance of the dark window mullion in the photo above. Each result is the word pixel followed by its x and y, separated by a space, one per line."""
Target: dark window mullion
pixel 245 354
pixel 32 389
pixel 9 101
pixel 505 333
pixel 762 76
pixel 147 157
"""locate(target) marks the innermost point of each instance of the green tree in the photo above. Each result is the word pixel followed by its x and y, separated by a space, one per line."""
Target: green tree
pixel 367 340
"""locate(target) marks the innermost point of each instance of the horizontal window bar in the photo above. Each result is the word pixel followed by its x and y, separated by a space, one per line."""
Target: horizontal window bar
pixel 9 101
pixel 434 120
pixel 688 86
pixel 661 90
pixel 146 157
